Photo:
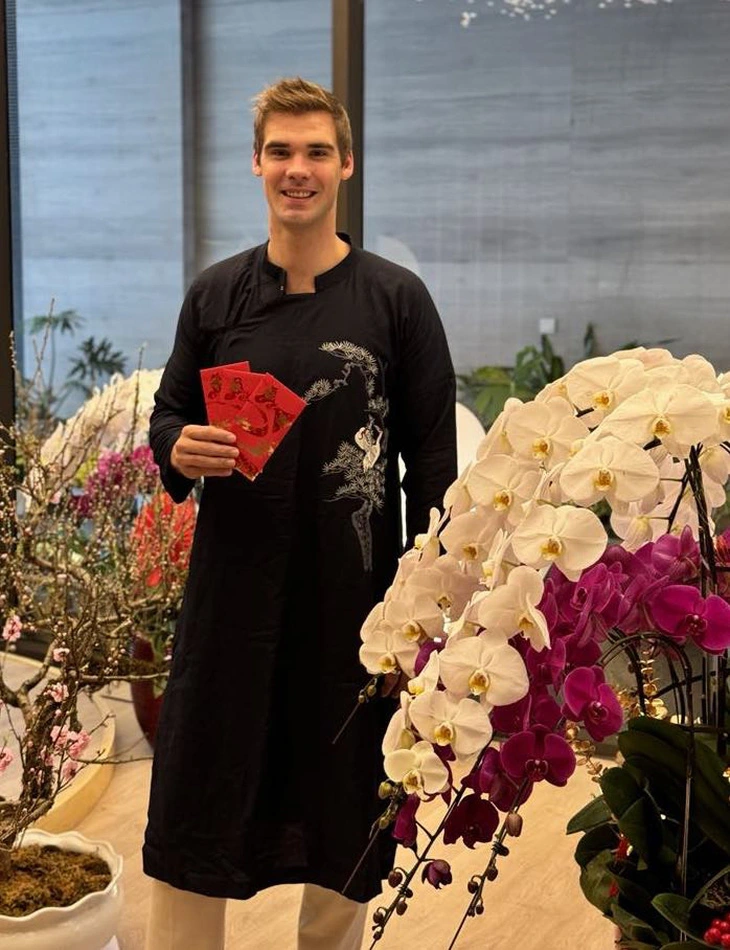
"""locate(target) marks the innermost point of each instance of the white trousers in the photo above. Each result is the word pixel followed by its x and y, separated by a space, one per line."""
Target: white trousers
pixel 182 920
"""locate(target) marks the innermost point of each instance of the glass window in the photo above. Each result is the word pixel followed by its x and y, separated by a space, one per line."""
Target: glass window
pixel 570 169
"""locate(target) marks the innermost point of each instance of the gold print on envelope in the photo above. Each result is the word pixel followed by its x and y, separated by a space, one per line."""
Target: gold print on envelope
pixel 362 461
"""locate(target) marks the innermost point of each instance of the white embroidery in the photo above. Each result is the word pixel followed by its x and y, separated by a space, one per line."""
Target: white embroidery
pixel 361 462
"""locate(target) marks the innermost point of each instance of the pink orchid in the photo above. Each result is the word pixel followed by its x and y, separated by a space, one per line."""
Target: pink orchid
pixel 590 700
pixel 538 754
pixel 683 613
pixel 473 819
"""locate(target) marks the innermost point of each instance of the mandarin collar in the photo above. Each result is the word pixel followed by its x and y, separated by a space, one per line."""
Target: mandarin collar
pixel 321 281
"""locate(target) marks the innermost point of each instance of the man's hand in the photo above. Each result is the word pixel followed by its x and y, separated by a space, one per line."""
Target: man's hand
pixel 204 451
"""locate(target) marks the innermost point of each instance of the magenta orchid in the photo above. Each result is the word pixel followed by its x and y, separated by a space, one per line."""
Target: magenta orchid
pixel 538 755
pixel 590 700
pixel 684 614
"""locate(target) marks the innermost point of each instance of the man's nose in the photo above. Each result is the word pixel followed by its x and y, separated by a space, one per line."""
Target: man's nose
pixel 298 166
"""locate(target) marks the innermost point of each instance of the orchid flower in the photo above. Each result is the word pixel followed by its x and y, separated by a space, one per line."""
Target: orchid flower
pixel 462 724
pixel 571 538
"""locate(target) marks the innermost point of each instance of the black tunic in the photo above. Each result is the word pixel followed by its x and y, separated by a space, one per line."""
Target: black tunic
pixel 247 789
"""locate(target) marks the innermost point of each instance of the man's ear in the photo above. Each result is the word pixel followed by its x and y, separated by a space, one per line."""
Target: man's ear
pixel 348 167
pixel 256 165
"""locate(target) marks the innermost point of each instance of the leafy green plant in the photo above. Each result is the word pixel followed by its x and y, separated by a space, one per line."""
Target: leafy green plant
pixel 485 389
pixel 630 853
pixel 94 363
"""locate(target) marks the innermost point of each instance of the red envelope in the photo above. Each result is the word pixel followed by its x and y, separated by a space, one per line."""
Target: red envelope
pixel 256 407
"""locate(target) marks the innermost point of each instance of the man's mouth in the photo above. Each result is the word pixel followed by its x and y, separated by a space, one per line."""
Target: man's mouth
pixel 298 194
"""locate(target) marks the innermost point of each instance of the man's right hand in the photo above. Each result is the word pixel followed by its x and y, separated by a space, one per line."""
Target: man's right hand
pixel 204 451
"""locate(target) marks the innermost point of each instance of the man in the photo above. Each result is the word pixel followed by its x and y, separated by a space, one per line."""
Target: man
pixel 248 789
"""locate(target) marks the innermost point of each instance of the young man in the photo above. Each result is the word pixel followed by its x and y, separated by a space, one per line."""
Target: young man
pixel 247 788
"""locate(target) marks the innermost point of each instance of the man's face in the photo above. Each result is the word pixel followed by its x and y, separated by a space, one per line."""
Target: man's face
pixel 301 167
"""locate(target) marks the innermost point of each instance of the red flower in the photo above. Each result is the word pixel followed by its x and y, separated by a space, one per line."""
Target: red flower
pixel 162 535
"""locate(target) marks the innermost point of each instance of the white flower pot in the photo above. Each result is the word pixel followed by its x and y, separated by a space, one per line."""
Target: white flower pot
pixel 89 924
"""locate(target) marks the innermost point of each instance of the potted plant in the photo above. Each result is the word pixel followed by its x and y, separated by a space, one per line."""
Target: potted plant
pixel 69 579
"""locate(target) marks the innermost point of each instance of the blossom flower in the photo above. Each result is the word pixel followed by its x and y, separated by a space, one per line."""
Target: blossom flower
pixel 481 666
pixel 448 587
pixel 545 432
pixel 609 468
pixel 462 724
pixel 6 758
pixel 571 538
pixel 469 536
pixel 418 769
pixel 405 828
pixel 513 607
pixel 602 383
pixel 60 654
pixel 12 628
pixel 538 754
pixel 437 873
pixel 590 700
pixel 69 770
pixel 473 820
pixel 426 681
pixel 684 614
pixel 162 538
pixel 503 484
pixel 58 692
pixel 679 416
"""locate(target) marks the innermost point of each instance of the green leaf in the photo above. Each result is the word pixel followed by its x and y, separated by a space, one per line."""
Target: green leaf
pixel 689 945
pixel 722 876
pixel 620 790
pixel 599 840
pixel 678 910
pixel 675 908
pixel 634 927
pixel 592 815
pixel 596 880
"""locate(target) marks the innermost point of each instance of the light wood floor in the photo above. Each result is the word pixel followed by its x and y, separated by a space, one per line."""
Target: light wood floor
pixel 535 904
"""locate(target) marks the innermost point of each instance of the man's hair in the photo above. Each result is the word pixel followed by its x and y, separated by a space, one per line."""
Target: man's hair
pixel 295 97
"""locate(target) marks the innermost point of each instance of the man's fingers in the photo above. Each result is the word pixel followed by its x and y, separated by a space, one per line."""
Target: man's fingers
pixel 198 449
pixel 208 434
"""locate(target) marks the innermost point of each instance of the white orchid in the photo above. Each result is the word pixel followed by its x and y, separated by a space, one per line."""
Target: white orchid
pixel 419 770
pixel 428 542
pixel 390 638
pixel 462 724
pixel 428 679
pixel 678 416
pixel 609 468
pixel 571 538
pixel 512 608
pixel 400 733
pixel 504 484
pixel 602 383
pixel 480 666
pixel 457 499
pixel 468 538
pixel 495 441
pixel 545 432
pixel 446 583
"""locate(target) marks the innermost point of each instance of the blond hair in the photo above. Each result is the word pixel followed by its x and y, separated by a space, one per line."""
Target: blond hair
pixel 295 97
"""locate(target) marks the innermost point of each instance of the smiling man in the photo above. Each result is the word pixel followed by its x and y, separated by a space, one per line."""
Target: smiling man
pixel 248 789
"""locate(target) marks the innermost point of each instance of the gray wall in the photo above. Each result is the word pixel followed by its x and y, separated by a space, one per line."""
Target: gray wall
pixel 575 169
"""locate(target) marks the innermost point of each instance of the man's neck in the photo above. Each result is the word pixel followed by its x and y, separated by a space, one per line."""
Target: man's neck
pixel 304 254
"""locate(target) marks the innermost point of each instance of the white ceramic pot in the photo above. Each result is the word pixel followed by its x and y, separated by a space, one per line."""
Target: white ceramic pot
pixel 89 924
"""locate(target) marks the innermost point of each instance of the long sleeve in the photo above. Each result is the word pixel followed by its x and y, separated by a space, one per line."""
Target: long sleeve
pixel 179 400
pixel 427 413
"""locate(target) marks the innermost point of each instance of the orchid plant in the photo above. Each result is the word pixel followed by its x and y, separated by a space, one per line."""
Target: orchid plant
pixel 502 614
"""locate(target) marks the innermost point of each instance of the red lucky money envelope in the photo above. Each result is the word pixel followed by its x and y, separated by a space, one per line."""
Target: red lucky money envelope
pixel 256 407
